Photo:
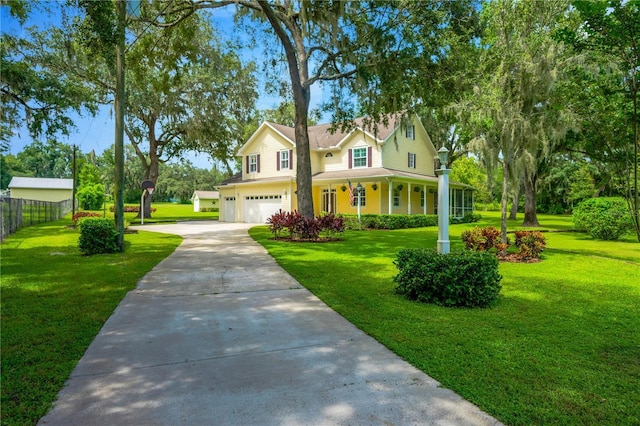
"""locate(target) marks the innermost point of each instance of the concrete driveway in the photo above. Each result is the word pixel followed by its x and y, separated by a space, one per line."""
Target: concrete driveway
pixel 219 334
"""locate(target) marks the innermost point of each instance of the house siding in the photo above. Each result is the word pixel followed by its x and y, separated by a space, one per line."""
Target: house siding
pixel 267 145
pixel 396 149
pixel 51 195
pixel 355 140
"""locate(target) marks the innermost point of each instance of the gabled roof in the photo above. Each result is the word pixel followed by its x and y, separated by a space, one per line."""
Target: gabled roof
pixel 321 137
pixel 206 195
pixel 40 183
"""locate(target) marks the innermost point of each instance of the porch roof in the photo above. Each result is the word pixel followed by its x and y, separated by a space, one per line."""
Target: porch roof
pixel 373 173
pixel 366 173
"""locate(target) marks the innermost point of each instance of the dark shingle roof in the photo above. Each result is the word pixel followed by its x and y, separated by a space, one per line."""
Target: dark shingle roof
pixel 321 136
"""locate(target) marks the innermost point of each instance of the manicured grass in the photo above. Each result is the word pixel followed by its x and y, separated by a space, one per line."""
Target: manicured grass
pixel 562 346
pixel 54 302
pixel 165 212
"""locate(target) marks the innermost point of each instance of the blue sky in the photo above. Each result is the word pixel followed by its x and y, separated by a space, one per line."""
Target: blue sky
pixel 97 133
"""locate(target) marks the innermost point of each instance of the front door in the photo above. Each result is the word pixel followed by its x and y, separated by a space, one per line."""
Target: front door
pixel 329 201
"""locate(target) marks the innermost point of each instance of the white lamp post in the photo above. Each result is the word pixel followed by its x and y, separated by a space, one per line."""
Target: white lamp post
pixel 359 189
pixel 443 202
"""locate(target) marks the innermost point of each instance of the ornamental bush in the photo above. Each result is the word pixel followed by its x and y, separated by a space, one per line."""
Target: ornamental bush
pixel 91 196
pixel 530 244
pixel 97 235
pixel 481 239
pixel 297 227
pixel 462 279
pixel 603 218
pixel 79 215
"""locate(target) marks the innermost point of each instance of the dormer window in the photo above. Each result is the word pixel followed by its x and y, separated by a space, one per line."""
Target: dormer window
pixel 328 155
pixel 410 132
pixel 360 157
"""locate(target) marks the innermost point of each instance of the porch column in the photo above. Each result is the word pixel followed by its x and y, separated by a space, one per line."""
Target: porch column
pixel 330 200
pixel 424 191
pixel 473 201
pixel 390 197
pixel 409 198
pixel 463 202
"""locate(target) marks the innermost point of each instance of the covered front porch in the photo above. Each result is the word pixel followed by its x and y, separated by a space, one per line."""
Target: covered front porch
pixel 385 191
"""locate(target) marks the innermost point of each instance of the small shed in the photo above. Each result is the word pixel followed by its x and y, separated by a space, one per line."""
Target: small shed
pixel 41 189
pixel 205 201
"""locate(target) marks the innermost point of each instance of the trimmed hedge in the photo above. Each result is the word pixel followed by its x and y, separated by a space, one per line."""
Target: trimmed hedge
pixel 400 221
pixel 462 278
pixel 97 235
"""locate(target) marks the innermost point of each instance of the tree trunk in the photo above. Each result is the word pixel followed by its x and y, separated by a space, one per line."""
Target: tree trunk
pixel 516 201
pixel 303 166
pixel 298 61
pixel 505 199
pixel 530 215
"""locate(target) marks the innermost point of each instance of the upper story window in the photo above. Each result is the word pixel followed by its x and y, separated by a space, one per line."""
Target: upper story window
pixel 284 159
pixel 410 132
pixel 253 163
pixel 412 160
pixel 360 157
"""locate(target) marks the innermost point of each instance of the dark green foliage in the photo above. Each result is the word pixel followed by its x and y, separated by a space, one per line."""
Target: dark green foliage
pixel 91 196
pixel 467 218
pixel 603 218
pixel 389 221
pixel 97 235
pixel 463 279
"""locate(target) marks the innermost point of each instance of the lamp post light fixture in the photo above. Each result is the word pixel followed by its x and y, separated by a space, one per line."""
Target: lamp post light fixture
pixel 444 244
pixel 359 189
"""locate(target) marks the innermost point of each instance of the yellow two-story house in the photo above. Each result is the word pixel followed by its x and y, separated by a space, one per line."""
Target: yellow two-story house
pixel 393 164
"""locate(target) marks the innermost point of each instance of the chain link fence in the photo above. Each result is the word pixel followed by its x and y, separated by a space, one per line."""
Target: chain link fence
pixel 16 213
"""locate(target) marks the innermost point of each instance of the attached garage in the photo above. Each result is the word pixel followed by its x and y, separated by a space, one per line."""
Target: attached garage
pixel 258 208
pixel 229 209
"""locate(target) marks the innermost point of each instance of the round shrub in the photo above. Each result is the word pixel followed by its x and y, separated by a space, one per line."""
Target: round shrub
pixel 463 278
pixel 97 235
pixel 91 197
pixel 603 218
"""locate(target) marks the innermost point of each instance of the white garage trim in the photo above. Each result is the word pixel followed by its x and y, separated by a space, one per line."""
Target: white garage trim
pixel 258 208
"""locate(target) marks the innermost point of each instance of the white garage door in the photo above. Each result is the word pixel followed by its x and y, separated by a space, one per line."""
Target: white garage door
pixel 258 208
pixel 229 209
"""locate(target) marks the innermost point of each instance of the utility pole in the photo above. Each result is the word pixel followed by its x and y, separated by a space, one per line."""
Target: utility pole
pixel 119 107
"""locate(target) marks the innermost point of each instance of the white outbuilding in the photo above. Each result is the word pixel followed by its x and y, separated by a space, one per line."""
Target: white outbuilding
pixel 41 189
pixel 205 201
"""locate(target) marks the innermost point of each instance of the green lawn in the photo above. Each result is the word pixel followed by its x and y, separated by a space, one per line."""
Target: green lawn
pixel 562 346
pixel 165 212
pixel 54 302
